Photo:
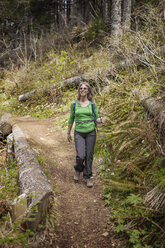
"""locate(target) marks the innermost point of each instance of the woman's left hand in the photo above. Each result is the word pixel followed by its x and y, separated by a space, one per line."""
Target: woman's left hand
pixel 101 120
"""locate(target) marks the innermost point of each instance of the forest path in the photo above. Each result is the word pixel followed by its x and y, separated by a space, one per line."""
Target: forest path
pixel 82 220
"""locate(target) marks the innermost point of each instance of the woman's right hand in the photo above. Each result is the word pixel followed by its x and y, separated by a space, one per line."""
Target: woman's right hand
pixel 69 138
pixel 102 120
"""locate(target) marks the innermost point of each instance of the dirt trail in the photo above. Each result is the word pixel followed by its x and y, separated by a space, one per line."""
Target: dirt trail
pixel 82 221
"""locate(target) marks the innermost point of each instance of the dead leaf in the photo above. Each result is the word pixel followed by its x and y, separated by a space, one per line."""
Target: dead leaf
pixel 105 234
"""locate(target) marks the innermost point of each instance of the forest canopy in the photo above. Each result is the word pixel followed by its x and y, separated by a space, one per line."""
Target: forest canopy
pixel 25 20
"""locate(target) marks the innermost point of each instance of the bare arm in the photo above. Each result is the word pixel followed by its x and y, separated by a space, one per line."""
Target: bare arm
pixel 69 132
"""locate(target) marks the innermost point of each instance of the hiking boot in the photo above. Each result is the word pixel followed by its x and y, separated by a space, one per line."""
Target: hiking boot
pixel 89 183
pixel 76 176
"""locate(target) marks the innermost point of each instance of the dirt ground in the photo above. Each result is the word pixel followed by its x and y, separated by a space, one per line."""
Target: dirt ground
pixel 82 216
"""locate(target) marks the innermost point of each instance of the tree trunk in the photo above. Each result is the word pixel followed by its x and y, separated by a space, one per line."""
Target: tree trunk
pixel 105 8
pixel 79 8
pixel 56 12
pixel 115 21
pixel 83 10
pixel 62 14
pixel 86 11
pixel 68 11
pixel 126 14
pixel 74 13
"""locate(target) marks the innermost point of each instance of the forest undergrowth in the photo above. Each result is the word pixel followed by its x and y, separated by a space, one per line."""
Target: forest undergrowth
pixel 134 186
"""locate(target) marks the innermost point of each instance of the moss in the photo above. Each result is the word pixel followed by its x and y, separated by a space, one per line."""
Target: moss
pixel 8 179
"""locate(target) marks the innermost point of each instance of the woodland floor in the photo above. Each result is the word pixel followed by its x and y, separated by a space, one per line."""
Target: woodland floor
pixel 82 220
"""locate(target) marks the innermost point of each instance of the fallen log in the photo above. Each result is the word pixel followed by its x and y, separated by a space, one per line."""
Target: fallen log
pixel 5 117
pixel 71 82
pixel 5 126
pixel 26 96
pixel 33 182
pixel 138 59
pixel 155 108
pixel 68 83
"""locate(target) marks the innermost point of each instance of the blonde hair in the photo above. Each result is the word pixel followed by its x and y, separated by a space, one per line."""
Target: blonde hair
pixel 90 91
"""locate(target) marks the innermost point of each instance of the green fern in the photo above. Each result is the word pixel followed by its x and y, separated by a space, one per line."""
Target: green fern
pixel 122 186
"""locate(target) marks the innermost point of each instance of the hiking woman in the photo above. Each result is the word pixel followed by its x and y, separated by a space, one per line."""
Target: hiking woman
pixel 85 114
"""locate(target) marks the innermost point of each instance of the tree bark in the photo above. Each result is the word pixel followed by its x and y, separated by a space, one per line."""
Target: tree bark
pixel 68 11
pixel 86 10
pixel 5 129
pixel 56 10
pixel 5 126
pixel 62 14
pixel 79 8
pixel 126 14
pixel 10 148
pixel 105 8
pixel 115 21
pixel 26 96
pixel 74 14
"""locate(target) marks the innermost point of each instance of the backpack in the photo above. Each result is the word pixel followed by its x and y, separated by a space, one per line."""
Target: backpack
pixel 93 110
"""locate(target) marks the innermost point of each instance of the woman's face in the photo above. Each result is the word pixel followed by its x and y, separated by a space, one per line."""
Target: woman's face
pixel 83 90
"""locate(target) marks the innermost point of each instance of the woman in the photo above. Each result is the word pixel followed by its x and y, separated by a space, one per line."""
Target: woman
pixel 85 116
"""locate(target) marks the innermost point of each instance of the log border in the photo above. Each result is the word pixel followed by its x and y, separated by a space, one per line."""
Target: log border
pixel 32 181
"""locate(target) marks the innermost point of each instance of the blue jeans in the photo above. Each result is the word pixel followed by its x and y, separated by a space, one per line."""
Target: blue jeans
pixel 84 143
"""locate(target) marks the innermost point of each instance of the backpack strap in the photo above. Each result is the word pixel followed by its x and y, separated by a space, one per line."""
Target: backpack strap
pixel 74 107
pixel 93 111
